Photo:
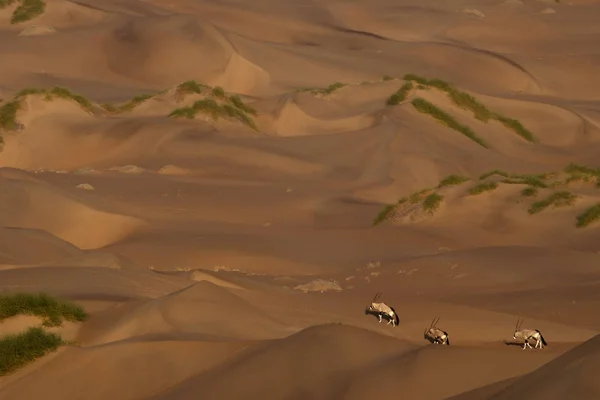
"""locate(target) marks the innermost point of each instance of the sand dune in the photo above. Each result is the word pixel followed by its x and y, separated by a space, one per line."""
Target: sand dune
pixel 570 375
pixel 60 214
pixel 342 350
pixel 193 310
pixel 224 186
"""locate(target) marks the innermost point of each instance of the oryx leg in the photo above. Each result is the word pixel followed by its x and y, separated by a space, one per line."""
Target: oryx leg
pixel 379 315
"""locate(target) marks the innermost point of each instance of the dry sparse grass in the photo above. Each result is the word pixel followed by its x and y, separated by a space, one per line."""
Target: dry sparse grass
pixel 452 180
pixel 468 102
pixel 444 118
pixel 589 216
pixel 482 188
pixel 558 199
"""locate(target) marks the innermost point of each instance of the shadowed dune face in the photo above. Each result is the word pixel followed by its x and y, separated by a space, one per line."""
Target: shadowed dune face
pixel 225 185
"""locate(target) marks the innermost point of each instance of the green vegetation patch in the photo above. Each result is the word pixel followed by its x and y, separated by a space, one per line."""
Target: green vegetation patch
pixel 325 91
pixel 432 202
pixel 589 216
pixel 51 310
pixel 191 87
pixel 531 180
pixel 385 213
pixel 444 118
pixel 452 180
pixel 467 102
pixel 8 115
pixel 18 350
pixel 215 111
pixel 27 10
pixel 57 92
pixel 482 188
pixel 582 173
pixel 529 191
pixel 558 199
pixel 400 95
pixel 134 102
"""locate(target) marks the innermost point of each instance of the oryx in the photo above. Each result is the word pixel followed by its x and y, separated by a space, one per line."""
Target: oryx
pixel 436 335
pixel 382 310
pixel 527 334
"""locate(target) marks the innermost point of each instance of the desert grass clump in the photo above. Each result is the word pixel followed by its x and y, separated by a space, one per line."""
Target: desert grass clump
pixel 239 103
pixel 215 110
pixel 218 91
pixel 516 127
pixel 459 98
pixel 386 78
pixel 531 180
pixel 51 310
pixel 494 172
pixel 190 87
pixel 482 188
pixel 385 213
pixel 27 10
pixel 400 94
pixel 467 102
pixel 57 92
pixel 8 115
pixel 444 118
pixel 325 91
pixel 589 216
pixel 582 173
pixel 529 191
pixel 134 102
pixel 558 199
pixel 432 202
pixel 452 180
pixel 18 350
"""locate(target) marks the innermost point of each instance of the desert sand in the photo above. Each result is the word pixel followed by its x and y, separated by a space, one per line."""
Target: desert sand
pixel 231 254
